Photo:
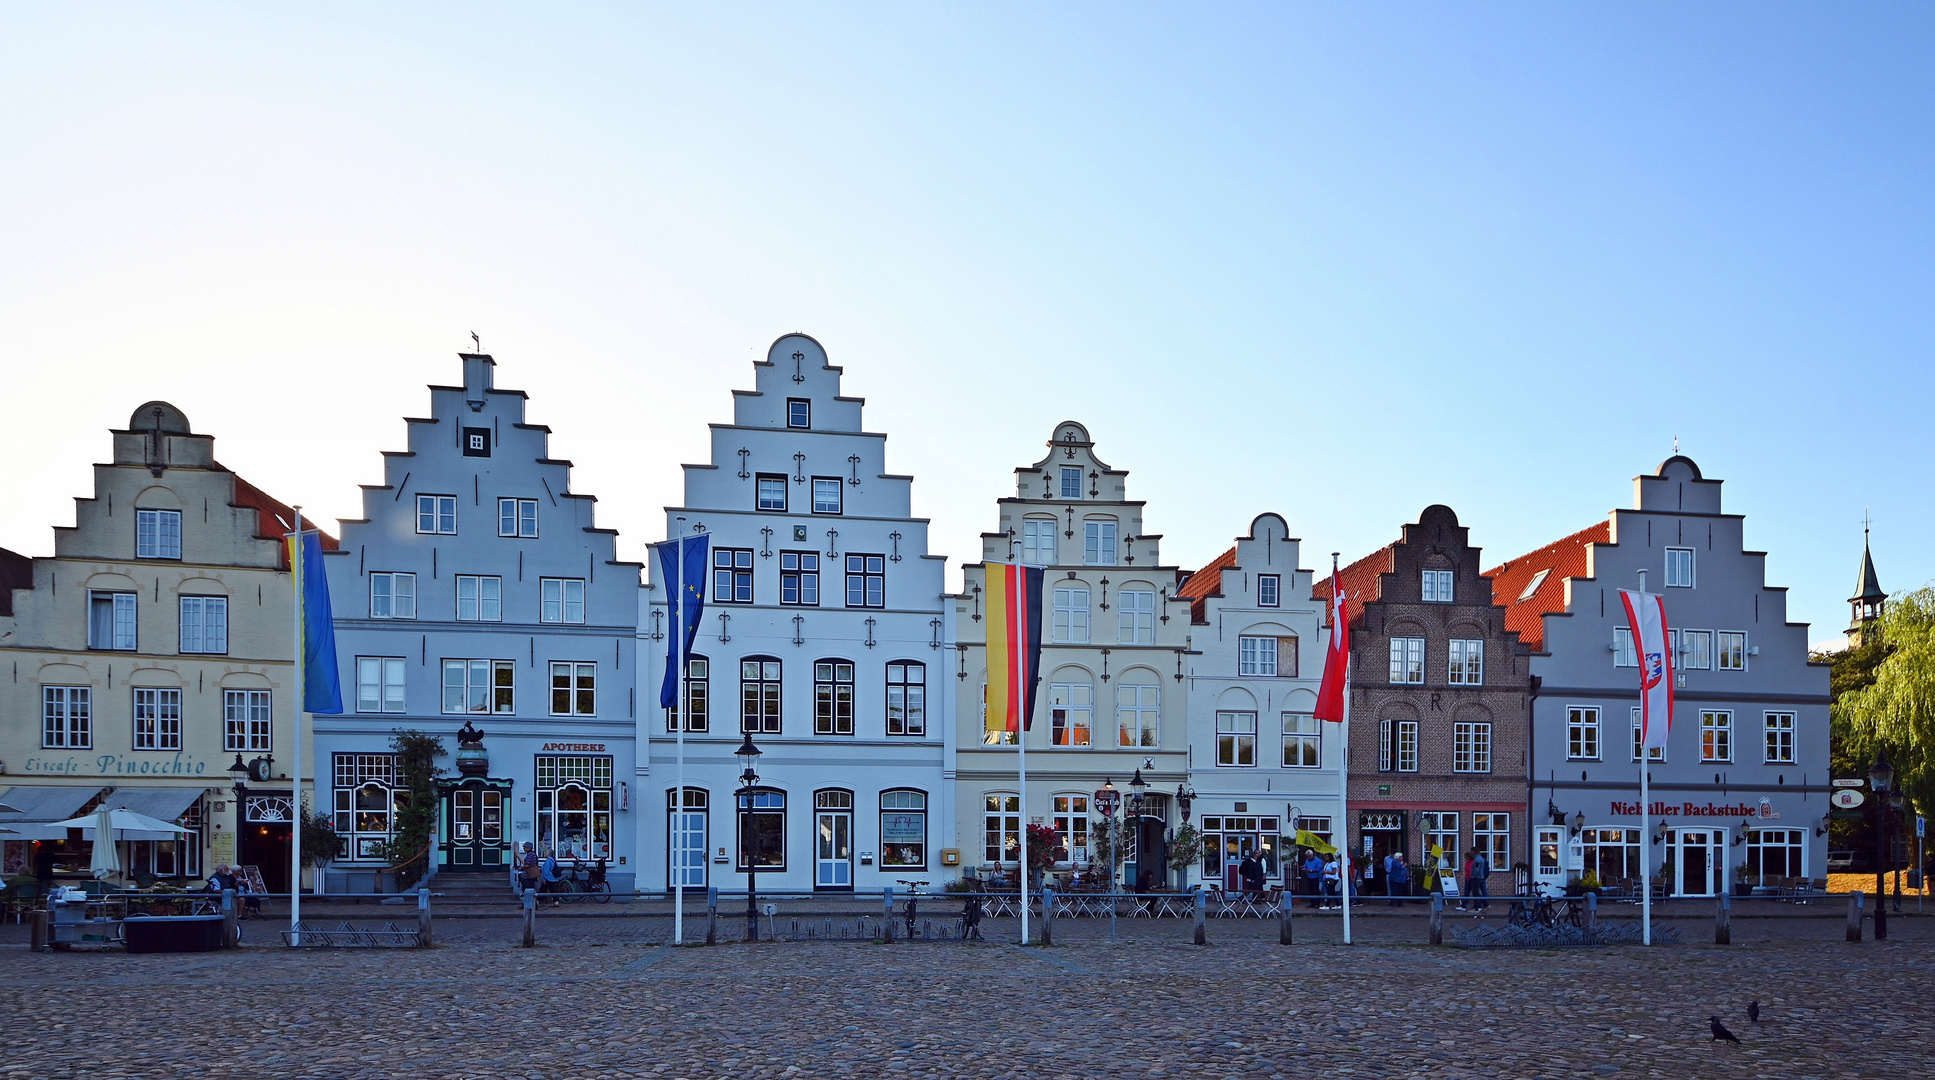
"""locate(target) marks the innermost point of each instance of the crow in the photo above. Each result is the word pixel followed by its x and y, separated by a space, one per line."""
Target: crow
pixel 1753 1011
pixel 1720 1031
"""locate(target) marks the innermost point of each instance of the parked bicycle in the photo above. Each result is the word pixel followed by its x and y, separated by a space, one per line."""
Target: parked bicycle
pixel 1530 911
pixel 592 884
pixel 913 903
pixel 971 918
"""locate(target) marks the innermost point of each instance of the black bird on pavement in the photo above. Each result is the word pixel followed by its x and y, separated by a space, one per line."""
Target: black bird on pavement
pixel 1720 1031
pixel 1753 1011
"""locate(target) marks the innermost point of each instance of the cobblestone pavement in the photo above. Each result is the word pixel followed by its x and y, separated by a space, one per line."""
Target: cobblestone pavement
pixel 594 1000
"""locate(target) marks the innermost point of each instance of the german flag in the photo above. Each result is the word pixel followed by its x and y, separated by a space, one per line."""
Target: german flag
pixel 1014 645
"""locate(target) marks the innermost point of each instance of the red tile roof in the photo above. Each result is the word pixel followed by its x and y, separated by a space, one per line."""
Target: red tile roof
pixel 1206 583
pixel 273 518
pixel 1361 580
pixel 1561 559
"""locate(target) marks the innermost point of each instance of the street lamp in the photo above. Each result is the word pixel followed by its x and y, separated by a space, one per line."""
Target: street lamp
pixel 1138 802
pixel 1184 796
pixel 1107 800
pixel 748 754
pixel 1882 777
pixel 239 774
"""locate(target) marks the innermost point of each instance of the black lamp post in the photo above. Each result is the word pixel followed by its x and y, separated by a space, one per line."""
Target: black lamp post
pixel 239 774
pixel 748 780
pixel 1138 802
pixel 1184 796
pixel 1882 777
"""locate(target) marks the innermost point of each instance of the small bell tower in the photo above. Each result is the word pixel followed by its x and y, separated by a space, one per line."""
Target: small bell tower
pixel 1869 598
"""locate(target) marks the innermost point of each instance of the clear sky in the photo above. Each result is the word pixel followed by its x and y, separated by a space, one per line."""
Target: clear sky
pixel 1315 260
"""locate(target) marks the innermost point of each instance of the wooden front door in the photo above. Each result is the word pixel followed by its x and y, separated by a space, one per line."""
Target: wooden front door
pixel 473 818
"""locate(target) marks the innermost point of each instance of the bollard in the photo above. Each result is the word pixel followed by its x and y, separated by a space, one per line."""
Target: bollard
pixel 1437 918
pixel 1202 915
pixel 231 930
pixel 1854 915
pixel 1592 916
pixel 423 918
pixel 887 914
pixel 1722 926
pixel 38 941
pixel 530 918
pixel 1047 915
pixel 1283 918
pixel 712 914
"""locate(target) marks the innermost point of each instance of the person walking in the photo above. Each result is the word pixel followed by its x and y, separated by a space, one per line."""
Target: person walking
pixel 1464 876
pixel 552 883
pixel 1476 871
pixel 1393 868
pixel 1333 880
pixel 1313 877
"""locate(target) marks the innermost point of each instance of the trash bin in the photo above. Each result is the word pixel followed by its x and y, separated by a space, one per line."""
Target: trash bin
pixel 172 933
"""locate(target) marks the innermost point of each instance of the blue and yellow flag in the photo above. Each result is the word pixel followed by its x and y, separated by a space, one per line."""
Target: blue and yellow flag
pixel 682 567
pixel 322 688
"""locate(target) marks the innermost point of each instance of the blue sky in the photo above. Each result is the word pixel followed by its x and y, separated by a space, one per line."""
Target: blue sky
pixel 1334 264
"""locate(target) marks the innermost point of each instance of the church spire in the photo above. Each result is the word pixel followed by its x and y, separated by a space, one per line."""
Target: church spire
pixel 1869 598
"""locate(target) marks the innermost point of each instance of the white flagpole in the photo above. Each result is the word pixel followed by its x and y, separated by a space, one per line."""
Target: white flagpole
pixel 1343 794
pixel 1021 871
pixel 1645 808
pixel 295 771
pixel 676 654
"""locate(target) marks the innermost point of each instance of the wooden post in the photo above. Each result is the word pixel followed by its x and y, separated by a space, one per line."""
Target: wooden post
pixel 712 915
pixel 1437 918
pixel 530 918
pixel 1854 916
pixel 1202 916
pixel 1592 916
pixel 887 914
pixel 1722 925
pixel 1047 914
pixel 231 930
pixel 423 918
pixel 1283 917
pixel 37 942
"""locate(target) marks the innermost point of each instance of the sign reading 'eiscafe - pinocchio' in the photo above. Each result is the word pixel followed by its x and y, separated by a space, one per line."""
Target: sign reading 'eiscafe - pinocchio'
pixel 1667 809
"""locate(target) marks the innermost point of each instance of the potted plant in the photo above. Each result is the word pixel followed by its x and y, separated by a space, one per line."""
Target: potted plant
pixel 1744 880
pixel 1043 843
pixel 1187 850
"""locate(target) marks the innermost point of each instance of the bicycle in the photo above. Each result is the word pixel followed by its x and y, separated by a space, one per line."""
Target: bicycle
pixel 971 918
pixel 593 884
pixel 1543 911
pixel 913 902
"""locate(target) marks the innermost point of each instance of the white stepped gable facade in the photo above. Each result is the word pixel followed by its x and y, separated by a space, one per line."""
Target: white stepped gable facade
pixel 478 590
pixel 1260 763
pixel 821 638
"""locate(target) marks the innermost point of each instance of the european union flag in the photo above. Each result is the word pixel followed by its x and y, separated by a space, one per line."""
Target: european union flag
pixel 322 688
pixel 682 567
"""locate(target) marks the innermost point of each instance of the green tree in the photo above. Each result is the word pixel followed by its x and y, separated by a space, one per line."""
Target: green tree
pixel 407 851
pixel 1891 706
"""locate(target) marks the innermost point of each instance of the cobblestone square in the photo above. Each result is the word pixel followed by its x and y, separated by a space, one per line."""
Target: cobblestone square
pixel 598 998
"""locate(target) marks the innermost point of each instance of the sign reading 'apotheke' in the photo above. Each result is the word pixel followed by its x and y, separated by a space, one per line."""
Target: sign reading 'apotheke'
pixel 573 748
pixel 1667 809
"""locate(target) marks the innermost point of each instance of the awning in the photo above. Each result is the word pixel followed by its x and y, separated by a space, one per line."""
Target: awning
pixel 160 803
pixel 44 804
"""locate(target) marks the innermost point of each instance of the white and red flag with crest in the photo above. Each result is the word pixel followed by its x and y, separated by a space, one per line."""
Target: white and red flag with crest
pixel 1330 695
pixel 1646 614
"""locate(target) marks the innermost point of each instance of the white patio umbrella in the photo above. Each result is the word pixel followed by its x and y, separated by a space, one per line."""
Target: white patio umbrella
pixel 107 860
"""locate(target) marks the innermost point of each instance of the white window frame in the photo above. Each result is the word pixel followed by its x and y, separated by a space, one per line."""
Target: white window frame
pixel 1471 746
pixel 561 600
pixel 1068 816
pixel 1624 654
pixel 907 698
pixel 121 630
pixel 517 518
pixel 580 687
pixel 157 534
pixel 248 721
pixel 391 593
pixel 66 718
pixel 1730 645
pixel 1138 714
pixel 1491 834
pixel 833 696
pixel 1136 616
pixel 1071 714
pixel 1407 661
pixel 1303 741
pixel 1679 571
pixel 1000 822
pixel 904 804
pixel 1695 652
pixel 1386 745
pixel 204 625
pixel 439 512
pixel 1658 752
pixel 1437 826
pixel 829 495
pixel 1099 543
pixel 1235 740
pixel 732 576
pixel 1038 544
pixel 475 676
pixel 1269 590
pixel 800 409
pixel 1256 657
pixel 1071 616
pixel 1436 586
pixel 380 684
pixel 1407 746
pixel 1582 734
pixel 1716 736
pixel 157 718
pixel 1467 662
pixel 1071 492
pixel 1777 738
pixel 486 598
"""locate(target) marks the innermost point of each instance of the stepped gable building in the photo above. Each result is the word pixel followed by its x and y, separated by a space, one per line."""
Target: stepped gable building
pixel 498 620
pixel 1740 790
pixel 149 655
pixel 1261 764
pixel 1440 688
pixel 1111 702
pixel 821 640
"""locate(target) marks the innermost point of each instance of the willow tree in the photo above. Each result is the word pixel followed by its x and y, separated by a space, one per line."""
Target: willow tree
pixel 1895 712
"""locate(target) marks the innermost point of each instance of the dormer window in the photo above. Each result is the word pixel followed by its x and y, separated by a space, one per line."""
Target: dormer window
pixel 799 413
pixel 1071 482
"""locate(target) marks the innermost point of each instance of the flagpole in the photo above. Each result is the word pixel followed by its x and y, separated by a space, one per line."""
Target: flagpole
pixel 676 653
pixel 295 771
pixel 1645 807
pixel 1020 694
pixel 1343 795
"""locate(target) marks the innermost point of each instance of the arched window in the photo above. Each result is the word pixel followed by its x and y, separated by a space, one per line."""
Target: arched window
pixel 832 697
pixel 1138 713
pixel 903 829
pixel 906 698
pixel 762 829
pixel 759 694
